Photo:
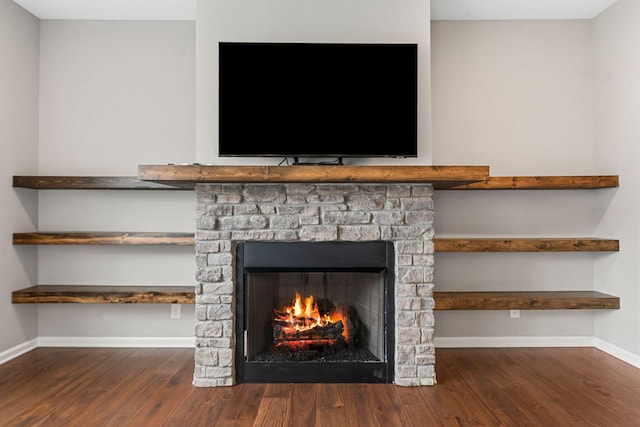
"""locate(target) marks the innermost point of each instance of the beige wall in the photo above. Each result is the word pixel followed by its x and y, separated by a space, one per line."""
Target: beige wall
pixel 18 155
pixel 617 91
pixel 517 96
pixel 115 94
pixel 553 97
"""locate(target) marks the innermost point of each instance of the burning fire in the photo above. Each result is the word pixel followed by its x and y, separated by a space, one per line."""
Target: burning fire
pixel 305 316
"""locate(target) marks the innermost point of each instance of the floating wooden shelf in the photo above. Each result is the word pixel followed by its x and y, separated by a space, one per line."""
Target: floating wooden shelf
pixel 439 176
pixel 440 244
pixel 104 238
pixel 185 177
pixel 90 183
pixel 542 183
pixel 551 300
pixel 105 294
pixel 557 300
pixel 217 174
pixel 524 245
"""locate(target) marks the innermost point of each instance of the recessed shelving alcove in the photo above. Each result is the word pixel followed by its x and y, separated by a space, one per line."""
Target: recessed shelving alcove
pixel 443 178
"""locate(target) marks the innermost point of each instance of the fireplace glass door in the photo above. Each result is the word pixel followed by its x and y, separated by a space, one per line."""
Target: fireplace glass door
pixel 315 312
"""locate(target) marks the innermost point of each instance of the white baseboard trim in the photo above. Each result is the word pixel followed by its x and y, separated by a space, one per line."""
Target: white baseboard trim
pixel 18 350
pixel 440 342
pixel 493 342
pixel 122 342
pixel 620 353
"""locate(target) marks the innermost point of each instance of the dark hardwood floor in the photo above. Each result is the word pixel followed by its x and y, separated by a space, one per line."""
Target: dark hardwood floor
pixel 486 387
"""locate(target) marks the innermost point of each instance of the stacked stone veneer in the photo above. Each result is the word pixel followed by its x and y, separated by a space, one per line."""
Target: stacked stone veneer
pixel 230 213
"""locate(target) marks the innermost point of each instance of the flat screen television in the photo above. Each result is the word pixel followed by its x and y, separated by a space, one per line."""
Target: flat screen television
pixel 318 99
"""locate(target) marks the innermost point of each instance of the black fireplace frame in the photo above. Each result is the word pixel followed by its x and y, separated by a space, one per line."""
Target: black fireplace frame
pixel 369 256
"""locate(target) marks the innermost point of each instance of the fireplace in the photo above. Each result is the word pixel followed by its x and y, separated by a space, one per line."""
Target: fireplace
pixel 314 312
pixel 376 244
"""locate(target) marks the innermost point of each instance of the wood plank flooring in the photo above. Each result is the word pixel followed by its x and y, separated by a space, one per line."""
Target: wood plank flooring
pixel 486 387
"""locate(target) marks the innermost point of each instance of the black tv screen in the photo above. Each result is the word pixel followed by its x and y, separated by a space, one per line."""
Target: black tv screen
pixel 318 99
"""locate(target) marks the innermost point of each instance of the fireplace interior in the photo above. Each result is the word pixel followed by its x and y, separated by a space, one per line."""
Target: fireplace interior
pixel 314 312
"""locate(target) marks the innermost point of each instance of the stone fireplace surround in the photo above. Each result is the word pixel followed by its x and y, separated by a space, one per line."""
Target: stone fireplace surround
pixel 232 213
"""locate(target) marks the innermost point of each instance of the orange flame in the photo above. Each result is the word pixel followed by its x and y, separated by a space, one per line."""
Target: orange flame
pixel 303 316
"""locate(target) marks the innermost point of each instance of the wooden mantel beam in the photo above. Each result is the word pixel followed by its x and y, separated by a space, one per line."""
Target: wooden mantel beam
pixel 439 176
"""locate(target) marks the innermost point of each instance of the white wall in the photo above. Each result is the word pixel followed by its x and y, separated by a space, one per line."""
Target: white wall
pixel 382 21
pixel 517 96
pixel 617 92
pixel 113 95
pixel 18 156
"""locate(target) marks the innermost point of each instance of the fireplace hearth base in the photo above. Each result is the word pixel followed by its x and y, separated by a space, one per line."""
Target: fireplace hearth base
pixel 308 372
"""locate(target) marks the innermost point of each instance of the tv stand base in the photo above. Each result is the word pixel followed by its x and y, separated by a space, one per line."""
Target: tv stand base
pixel 336 162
